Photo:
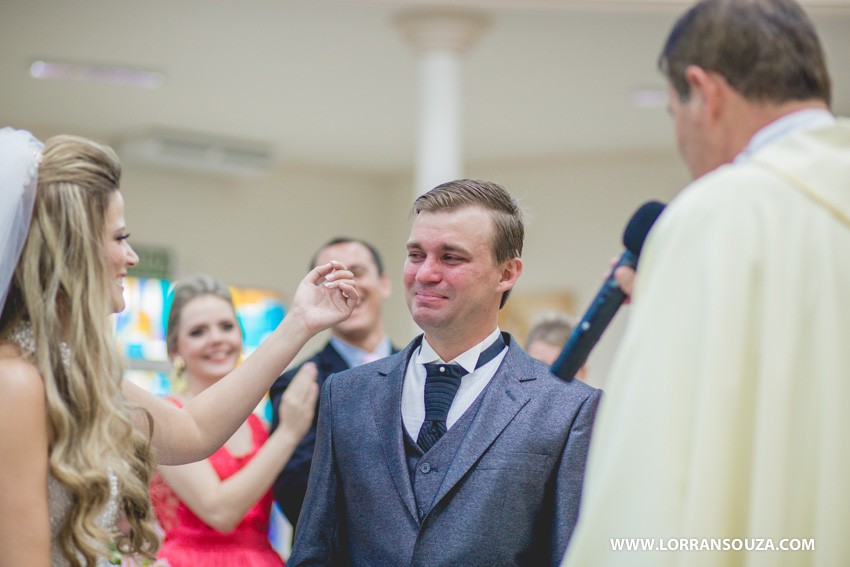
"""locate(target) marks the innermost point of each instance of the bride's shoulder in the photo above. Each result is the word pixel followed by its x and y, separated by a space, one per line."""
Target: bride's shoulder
pixel 19 378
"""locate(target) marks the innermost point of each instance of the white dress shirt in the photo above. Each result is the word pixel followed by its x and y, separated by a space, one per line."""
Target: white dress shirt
pixel 471 385
pixel 355 357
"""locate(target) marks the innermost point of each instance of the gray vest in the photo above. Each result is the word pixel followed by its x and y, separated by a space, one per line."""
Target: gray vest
pixel 427 471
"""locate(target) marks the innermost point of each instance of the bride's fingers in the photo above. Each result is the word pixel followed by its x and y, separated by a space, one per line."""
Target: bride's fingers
pixel 348 290
pixel 329 272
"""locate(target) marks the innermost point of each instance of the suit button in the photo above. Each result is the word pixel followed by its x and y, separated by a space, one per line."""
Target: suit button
pixel 425 468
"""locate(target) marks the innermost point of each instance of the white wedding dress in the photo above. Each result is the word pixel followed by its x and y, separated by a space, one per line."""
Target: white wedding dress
pixel 59 502
pixel 59 499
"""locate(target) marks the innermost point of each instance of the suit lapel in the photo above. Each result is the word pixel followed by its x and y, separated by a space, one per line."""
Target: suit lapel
pixel 502 400
pixel 386 406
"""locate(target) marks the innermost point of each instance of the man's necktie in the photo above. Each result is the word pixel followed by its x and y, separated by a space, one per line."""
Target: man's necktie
pixel 441 384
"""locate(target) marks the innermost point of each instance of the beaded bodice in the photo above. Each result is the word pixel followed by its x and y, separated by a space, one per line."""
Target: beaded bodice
pixel 59 498
pixel 59 503
pixel 23 336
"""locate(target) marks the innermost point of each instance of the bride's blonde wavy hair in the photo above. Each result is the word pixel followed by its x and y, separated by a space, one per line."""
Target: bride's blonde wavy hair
pixel 61 288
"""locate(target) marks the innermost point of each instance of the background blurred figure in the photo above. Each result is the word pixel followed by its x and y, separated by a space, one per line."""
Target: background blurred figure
pixel 547 337
pixel 726 417
pixel 359 339
pixel 216 512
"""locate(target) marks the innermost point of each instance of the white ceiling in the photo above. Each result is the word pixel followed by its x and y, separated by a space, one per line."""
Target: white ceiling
pixel 333 84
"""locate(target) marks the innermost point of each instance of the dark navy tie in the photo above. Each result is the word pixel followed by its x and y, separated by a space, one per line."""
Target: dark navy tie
pixel 441 384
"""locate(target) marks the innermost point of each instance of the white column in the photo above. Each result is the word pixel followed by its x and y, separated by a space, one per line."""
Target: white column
pixel 440 38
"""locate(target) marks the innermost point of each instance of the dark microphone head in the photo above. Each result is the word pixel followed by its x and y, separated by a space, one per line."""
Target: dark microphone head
pixel 639 225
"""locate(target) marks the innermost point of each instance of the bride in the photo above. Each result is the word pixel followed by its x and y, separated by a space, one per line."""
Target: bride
pixel 79 442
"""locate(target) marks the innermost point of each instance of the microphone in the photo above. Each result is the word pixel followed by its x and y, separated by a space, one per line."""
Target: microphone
pixel 609 298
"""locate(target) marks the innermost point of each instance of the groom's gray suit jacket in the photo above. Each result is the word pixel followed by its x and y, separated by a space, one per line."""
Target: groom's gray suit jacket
pixel 506 493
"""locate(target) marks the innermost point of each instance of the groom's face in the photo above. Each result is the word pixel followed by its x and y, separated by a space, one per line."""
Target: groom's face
pixel 452 283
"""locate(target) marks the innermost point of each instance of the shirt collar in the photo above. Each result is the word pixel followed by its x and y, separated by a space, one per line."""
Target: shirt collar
pixel 467 359
pixel 354 356
pixel 806 119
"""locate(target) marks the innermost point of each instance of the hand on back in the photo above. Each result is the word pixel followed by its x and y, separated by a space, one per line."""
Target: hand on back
pixel 298 404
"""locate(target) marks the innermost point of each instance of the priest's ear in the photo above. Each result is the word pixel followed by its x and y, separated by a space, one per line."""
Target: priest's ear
pixel 709 90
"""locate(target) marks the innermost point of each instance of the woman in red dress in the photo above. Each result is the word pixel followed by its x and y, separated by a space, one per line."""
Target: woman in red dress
pixel 216 512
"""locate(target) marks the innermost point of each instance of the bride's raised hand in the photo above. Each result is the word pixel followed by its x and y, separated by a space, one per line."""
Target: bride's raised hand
pixel 325 296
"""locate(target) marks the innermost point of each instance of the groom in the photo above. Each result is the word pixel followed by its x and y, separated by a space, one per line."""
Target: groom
pixel 461 449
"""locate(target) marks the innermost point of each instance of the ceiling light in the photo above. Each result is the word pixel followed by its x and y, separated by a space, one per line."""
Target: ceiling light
pixel 97 74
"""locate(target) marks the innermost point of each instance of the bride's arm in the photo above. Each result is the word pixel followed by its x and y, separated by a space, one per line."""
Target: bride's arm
pixel 222 504
pixel 325 297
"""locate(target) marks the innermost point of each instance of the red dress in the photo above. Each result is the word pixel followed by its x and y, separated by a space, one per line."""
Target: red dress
pixel 190 542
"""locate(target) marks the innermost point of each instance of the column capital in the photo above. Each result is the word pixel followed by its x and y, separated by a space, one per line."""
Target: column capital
pixel 441 29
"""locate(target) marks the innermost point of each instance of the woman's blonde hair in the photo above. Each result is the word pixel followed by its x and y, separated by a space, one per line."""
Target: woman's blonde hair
pixel 61 288
pixel 185 291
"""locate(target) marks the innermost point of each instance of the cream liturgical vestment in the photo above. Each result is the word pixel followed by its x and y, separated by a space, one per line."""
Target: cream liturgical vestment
pixel 726 421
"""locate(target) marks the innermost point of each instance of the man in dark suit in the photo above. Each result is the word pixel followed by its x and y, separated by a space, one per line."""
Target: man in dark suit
pixel 461 449
pixel 358 339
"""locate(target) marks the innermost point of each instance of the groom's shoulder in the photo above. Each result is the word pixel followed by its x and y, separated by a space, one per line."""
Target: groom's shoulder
pixel 369 373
